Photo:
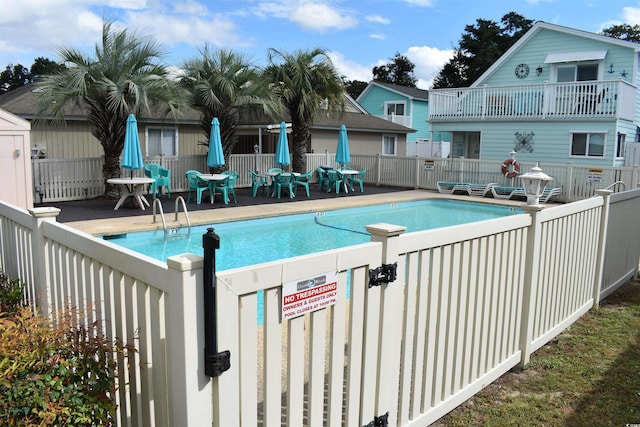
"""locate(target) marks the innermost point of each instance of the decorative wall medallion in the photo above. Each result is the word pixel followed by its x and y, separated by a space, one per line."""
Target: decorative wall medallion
pixel 522 71
pixel 524 142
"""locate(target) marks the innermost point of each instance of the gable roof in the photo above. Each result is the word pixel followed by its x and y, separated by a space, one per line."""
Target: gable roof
pixel 22 102
pixel 410 92
pixel 540 25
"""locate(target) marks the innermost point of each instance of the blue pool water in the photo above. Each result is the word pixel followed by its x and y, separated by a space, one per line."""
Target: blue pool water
pixel 261 240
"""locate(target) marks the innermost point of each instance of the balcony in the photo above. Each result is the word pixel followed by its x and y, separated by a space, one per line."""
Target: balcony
pixel 602 99
pixel 397 119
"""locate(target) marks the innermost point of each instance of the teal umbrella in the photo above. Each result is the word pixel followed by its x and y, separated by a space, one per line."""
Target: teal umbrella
pixel 342 152
pixel 215 157
pixel 131 153
pixel 282 149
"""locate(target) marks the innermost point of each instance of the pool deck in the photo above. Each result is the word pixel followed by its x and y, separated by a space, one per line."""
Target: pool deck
pixel 98 218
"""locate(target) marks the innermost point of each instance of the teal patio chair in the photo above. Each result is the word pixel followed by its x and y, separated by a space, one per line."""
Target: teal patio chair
pixel 197 185
pixel 226 187
pixel 335 180
pixel 323 179
pixel 284 181
pixel 162 177
pixel 303 181
pixel 275 170
pixel 358 179
pixel 258 181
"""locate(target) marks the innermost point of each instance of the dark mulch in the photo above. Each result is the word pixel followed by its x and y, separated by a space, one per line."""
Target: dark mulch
pixel 102 208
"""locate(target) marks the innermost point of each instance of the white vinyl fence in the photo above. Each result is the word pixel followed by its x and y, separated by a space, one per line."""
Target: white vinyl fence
pixel 77 179
pixel 468 303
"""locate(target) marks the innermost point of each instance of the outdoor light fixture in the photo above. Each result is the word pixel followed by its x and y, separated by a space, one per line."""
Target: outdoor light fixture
pixel 534 183
pixel 256 149
pixel 539 70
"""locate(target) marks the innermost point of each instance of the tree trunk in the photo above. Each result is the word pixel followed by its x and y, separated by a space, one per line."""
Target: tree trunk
pixel 300 136
pixel 111 169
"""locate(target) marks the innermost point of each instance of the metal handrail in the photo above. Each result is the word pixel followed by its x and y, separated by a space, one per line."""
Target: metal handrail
pixel 624 186
pixel 157 202
pixel 179 200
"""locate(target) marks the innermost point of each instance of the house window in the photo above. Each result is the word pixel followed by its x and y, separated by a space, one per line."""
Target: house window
pixel 620 142
pixel 162 142
pixel 587 144
pixel 576 72
pixel 389 143
pixel 395 109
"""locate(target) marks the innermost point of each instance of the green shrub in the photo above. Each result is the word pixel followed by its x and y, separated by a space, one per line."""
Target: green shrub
pixel 56 374
pixel 10 293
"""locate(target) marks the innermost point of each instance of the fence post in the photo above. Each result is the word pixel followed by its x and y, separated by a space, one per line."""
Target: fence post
pixel 602 241
pixel 391 322
pixel 417 183
pixel 378 168
pixel 530 288
pixel 570 182
pixel 189 391
pixel 40 261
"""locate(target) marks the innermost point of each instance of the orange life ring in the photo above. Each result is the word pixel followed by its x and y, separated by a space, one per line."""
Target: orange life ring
pixel 510 172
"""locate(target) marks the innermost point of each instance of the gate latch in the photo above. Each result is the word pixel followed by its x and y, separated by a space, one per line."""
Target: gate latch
pixel 217 363
pixel 386 273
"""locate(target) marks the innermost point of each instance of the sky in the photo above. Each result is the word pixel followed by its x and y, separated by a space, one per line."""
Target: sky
pixel 357 34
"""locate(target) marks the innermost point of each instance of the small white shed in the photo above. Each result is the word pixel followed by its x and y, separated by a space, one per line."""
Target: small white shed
pixel 15 161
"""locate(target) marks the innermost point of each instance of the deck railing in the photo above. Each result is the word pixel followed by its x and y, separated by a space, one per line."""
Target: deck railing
pixel 601 99
pixel 468 303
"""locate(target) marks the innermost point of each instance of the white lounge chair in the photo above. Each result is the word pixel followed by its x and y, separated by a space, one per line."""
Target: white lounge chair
pixel 500 192
pixel 472 189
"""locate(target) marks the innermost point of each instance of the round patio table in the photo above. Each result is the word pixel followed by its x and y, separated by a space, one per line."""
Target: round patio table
pixel 131 187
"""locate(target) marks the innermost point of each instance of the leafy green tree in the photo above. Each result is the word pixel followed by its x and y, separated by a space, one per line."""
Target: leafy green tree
pixel 623 32
pixel 306 82
pixel 399 71
pixel 125 76
pixel 224 84
pixel 480 46
pixel 13 77
pixel 44 66
pixel 354 87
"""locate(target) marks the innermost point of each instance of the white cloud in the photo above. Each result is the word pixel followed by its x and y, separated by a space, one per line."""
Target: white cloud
pixel 378 19
pixel 428 62
pixel 631 15
pixel 350 69
pixel 320 17
pixel 185 28
pixel 422 3
pixel 378 36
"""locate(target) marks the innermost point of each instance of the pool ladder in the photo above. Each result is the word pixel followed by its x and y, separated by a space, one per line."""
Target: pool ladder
pixel 179 200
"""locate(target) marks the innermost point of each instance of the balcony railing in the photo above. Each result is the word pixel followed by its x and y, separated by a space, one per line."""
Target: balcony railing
pixel 400 120
pixel 604 99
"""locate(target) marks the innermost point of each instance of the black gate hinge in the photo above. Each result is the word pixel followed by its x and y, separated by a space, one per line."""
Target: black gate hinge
pixel 381 421
pixel 386 273
pixel 218 363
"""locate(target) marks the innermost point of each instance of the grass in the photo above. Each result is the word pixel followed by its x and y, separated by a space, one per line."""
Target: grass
pixel 587 376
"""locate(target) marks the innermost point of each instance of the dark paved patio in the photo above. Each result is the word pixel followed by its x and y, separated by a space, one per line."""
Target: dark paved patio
pixel 102 208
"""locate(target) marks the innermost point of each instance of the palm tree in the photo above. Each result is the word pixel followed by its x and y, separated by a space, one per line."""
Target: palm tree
pixel 224 84
pixel 306 82
pixel 124 76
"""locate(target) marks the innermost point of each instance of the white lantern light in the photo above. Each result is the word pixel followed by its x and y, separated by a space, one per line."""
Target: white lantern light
pixel 534 183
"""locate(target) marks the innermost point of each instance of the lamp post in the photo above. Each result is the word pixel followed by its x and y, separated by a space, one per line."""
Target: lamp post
pixel 256 151
pixel 534 183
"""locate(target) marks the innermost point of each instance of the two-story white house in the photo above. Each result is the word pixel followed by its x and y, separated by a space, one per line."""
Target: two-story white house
pixel 557 95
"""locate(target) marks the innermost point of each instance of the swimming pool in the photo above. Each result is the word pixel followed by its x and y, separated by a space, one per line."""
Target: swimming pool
pixel 261 240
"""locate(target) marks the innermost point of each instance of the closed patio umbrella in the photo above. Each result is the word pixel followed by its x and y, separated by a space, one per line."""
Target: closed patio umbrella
pixel 215 157
pixel 282 149
pixel 131 153
pixel 342 152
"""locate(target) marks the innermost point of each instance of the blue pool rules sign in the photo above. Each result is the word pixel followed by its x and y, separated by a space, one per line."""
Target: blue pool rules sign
pixel 310 294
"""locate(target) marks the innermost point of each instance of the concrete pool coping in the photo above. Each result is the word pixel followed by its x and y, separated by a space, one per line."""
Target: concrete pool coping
pixel 111 226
